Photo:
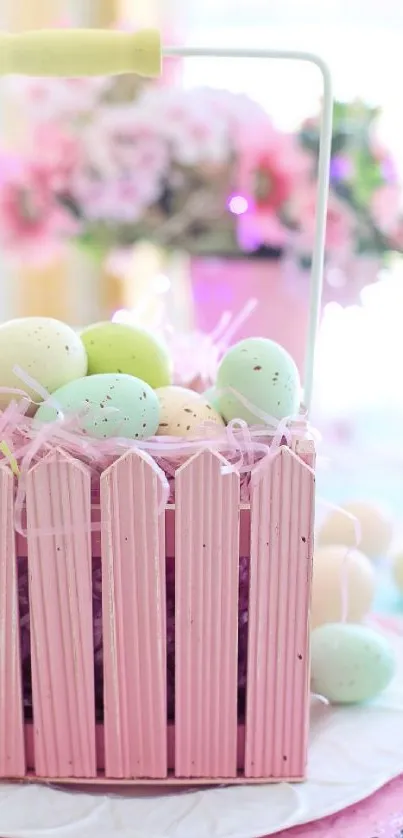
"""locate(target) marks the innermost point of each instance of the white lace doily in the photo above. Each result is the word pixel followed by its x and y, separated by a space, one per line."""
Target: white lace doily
pixel 353 752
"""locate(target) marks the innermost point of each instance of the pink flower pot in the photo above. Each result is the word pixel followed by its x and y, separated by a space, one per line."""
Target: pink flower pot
pixel 280 288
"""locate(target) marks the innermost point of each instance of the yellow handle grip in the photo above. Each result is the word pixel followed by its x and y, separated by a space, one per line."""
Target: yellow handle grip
pixel 81 52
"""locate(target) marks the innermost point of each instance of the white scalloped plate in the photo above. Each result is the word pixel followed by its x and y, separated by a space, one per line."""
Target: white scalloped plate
pixel 353 752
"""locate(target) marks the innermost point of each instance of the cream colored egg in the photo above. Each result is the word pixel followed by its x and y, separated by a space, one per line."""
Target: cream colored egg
pixel 185 413
pixel 339 571
pixel 374 525
pixel 397 569
pixel 47 350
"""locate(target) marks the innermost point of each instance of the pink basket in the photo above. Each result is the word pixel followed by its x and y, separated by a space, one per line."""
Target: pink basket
pixel 213 739
pixel 205 532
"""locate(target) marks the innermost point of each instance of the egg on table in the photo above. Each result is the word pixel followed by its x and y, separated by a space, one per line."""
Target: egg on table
pixel 122 348
pixel 107 406
pixel 397 568
pixel 338 573
pixel 350 663
pixel 256 379
pixel 368 521
pixel 48 351
pixel 183 413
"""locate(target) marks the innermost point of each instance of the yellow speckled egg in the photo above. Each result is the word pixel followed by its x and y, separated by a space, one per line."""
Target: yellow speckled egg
pixel 350 664
pixel 122 348
pixel 375 529
pixel 183 413
pixel 333 567
pixel 49 351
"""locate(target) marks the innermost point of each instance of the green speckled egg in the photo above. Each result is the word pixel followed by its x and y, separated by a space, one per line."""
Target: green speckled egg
pixel 265 375
pixel 211 397
pixel 108 405
pixel 47 350
pixel 350 663
pixel 121 348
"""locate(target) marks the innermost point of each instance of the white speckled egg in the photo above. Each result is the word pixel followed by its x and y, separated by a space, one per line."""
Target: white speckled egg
pixel 350 663
pixel 108 405
pixel 333 568
pixel 48 350
pixel 183 413
pixel 264 375
pixel 374 524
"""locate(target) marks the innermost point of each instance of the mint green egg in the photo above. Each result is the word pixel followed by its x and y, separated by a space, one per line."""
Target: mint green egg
pixel 211 397
pixel 108 405
pixel 266 378
pixel 350 663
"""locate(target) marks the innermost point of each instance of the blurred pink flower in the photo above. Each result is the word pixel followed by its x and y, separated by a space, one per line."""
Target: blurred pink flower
pixel 195 134
pixel 31 222
pixel 271 166
pixel 113 200
pixel 58 153
pixel 257 229
pixel 340 221
pixel 47 99
pixel 125 138
pixel 385 207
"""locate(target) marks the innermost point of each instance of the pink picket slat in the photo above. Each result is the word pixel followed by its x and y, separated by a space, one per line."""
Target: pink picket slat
pixel 282 504
pixel 58 497
pixel 12 747
pixel 134 620
pixel 206 617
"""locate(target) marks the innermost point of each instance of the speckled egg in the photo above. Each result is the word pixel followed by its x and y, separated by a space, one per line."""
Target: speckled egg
pixel 211 396
pixel 183 413
pixel 108 406
pixel 49 351
pixel 122 348
pixel 350 663
pixel 264 375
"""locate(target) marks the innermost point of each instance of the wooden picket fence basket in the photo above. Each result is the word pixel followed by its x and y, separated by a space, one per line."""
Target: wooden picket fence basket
pixel 206 531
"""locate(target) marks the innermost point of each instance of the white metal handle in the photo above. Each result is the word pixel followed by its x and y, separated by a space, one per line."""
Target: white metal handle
pixel 325 144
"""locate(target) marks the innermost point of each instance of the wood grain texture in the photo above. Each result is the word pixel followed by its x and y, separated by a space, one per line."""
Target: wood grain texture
pixel 206 617
pixel 59 561
pixel 278 653
pixel 12 746
pixel 134 620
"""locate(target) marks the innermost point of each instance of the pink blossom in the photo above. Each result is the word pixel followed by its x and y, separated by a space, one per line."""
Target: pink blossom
pixel 47 99
pixel 270 168
pixel 340 221
pixel 114 200
pixel 30 219
pixel 125 138
pixel 196 135
pixel 241 115
pixel 385 207
pixel 58 153
pixel 271 165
